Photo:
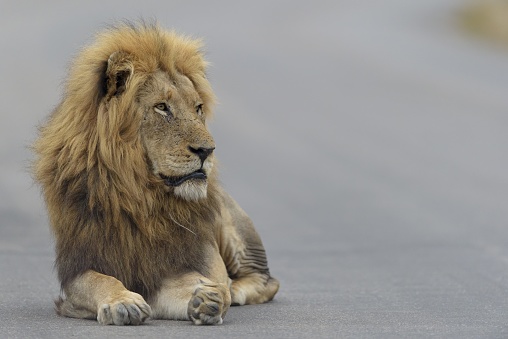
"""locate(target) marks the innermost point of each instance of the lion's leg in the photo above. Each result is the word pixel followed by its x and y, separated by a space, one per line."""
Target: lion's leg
pixel 94 295
pixel 245 257
pixel 256 288
pixel 191 296
pixel 251 280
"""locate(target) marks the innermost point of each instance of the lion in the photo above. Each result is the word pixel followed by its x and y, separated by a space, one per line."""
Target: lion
pixel 127 169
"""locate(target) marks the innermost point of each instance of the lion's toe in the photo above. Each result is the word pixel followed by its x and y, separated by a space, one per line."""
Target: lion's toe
pixel 127 310
pixel 208 305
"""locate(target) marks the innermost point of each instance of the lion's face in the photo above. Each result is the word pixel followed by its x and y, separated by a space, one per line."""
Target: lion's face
pixel 176 140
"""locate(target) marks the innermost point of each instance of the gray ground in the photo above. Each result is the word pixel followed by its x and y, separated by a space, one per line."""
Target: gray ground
pixel 367 140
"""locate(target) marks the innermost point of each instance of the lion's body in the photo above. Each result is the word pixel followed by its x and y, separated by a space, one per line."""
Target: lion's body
pixel 125 165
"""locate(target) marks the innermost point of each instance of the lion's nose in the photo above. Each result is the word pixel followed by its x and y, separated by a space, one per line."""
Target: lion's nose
pixel 202 152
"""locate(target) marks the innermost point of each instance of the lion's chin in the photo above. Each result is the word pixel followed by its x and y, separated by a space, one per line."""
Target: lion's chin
pixel 192 190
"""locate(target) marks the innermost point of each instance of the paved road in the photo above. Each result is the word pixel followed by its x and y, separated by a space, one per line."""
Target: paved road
pixel 367 140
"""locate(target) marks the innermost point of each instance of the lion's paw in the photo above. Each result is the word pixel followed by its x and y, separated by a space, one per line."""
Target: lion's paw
pixel 127 308
pixel 209 304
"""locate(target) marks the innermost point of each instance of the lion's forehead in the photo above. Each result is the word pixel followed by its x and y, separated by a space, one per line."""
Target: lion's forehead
pixel 176 87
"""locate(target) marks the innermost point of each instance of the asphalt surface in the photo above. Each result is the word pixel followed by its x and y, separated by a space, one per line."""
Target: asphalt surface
pixel 366 139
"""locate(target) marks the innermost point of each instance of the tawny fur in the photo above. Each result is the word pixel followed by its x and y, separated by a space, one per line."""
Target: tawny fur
pixel 109 212
pixel 92 168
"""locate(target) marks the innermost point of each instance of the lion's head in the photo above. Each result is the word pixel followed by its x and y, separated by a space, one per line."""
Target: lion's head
pixel 169 99
pixel 174 136
pixel 145 93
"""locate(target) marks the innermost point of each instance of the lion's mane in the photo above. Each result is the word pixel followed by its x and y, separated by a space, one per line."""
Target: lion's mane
pixel 108 212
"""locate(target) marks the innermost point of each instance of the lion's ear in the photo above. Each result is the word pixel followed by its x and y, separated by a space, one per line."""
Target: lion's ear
pixel 118 72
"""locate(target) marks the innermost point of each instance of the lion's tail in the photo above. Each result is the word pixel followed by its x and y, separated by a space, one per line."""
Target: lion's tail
pixel 65 308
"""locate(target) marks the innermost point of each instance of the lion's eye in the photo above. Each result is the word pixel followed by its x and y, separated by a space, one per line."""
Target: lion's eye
pixel 199 109
pixel 162 109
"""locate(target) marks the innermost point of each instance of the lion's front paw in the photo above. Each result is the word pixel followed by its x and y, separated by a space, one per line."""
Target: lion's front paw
pixel 209 304
pixel 126 308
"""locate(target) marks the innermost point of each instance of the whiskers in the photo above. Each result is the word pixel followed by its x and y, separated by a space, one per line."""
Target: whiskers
pixel 176 222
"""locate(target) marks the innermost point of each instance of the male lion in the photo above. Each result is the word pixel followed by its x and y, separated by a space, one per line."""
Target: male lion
pixel 125 163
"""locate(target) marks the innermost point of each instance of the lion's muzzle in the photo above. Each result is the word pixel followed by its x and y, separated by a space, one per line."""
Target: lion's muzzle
pixel 177 181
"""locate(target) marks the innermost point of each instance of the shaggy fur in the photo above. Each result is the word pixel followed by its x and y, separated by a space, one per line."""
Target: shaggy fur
pixel 108 212
pixel 111 212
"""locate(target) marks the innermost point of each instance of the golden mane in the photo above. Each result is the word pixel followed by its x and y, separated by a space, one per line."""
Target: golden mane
pixel 93 170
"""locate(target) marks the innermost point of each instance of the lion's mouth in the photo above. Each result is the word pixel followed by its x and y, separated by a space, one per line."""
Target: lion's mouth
pixel 177 181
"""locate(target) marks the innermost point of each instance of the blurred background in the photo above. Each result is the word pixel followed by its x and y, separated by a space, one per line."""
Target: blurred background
pixel 366 139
